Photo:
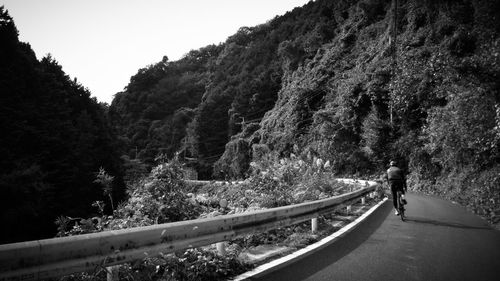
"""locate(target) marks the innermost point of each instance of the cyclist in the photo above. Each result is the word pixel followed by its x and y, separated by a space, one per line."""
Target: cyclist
pixel 397 181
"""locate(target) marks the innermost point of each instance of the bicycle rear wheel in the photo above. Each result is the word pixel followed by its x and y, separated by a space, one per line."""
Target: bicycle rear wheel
pixel 401 207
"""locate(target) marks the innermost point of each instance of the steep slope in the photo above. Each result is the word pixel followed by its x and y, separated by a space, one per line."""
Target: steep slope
pixel 247 76
pixel 216 89
pixel 350 94
pixel 437 110
pixel 335 80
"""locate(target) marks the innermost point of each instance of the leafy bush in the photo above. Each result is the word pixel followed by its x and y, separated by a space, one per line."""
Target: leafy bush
pixel 464 131
pixel 192 264
pixel 275 181
pixel 158 198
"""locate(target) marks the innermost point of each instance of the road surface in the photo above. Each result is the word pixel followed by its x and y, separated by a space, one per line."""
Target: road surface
pixel 439 241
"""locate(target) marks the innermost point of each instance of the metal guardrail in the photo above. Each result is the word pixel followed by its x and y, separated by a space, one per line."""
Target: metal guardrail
pixel 48 258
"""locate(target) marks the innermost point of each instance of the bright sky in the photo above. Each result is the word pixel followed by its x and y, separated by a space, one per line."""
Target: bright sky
pixel 104 42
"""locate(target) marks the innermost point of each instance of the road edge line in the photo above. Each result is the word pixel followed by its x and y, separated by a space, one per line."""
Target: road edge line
pixel 275 264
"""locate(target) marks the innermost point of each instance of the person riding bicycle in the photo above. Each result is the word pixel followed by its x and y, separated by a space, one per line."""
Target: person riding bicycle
pixel 397 181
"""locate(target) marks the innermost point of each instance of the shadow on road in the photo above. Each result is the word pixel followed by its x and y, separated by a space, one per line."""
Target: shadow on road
pixel 317 260
pixel 441 223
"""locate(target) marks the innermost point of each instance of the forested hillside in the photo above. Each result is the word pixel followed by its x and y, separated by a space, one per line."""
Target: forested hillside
pixel 54 140
pixel 357 82
pixel 432 102
pixel 217 89
pixel 152 113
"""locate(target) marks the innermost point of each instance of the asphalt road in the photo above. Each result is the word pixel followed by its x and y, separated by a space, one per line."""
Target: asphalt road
pixel 439 241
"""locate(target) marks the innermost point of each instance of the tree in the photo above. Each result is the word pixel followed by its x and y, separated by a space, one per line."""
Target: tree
pixel 464 131
pixel 54 138
pixel 106 181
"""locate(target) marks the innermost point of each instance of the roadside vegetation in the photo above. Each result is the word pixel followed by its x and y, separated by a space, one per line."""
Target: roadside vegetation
pixel 163 196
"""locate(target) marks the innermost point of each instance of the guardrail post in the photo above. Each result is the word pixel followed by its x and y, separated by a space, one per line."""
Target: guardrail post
pixel 314 225
pixel 221 248
pixel 112 273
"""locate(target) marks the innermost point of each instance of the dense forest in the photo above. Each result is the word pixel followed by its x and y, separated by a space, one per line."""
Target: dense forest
pixel 357 82
pixel 55 139
pixel 354 82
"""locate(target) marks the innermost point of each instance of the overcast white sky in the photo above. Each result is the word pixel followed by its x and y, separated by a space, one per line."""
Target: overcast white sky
pixel 104 42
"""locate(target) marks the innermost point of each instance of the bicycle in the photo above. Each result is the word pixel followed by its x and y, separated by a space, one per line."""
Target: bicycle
pixel 401 206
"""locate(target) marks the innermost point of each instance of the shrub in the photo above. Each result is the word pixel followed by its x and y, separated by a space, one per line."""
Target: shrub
pixel 463 132
pixel 159 198
pixel 192 264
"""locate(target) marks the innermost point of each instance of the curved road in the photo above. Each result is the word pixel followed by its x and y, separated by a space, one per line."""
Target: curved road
pixel 439 241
